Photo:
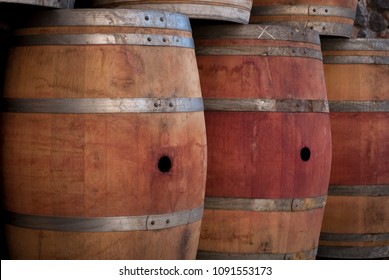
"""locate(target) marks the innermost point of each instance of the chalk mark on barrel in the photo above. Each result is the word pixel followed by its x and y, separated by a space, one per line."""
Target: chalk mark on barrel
pixel 263 31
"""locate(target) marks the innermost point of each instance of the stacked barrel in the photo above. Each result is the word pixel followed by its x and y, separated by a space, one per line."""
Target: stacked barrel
pixel 163 129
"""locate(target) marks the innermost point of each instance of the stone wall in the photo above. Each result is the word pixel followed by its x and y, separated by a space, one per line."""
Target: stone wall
pixel 372 19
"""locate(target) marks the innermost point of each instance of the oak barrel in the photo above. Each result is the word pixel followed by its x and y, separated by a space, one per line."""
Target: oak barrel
pixel 269 142
pixel 4 45
pixel 356 218
pixel 226 10
pixel 334 17
pixel 103 137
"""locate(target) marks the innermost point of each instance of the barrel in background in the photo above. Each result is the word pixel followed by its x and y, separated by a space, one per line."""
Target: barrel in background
pixel 103 137
pixel 356 219
pixel 226 10
pixel 4 45
pixel 335 17
pixel 269 142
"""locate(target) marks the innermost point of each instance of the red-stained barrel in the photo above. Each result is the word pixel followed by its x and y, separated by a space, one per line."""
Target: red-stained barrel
pixel 269 141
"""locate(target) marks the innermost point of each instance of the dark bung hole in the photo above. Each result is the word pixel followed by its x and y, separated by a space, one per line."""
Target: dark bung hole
pixel 164 164
pixel 305 154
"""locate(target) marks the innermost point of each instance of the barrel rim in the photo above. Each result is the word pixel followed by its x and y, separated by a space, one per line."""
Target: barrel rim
pixel 104 39
pixel 353 252
pixel 258 32
pixel 104 224
pixel 265 105
pixel 102 105
pixel 358 190
pixel 214 255
pixel 356 59
pixel 297 204
pixel 309 10
pixel 357 44
pixel 109 17
pixel 225 10
pixel 355 237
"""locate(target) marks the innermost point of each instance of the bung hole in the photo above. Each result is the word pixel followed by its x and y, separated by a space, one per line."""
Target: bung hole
pixel 305 154
pixel 164 164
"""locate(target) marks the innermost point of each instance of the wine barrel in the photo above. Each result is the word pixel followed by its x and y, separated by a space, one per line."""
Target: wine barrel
pixel 226 10
pixel 334 17
pixel 4 45
pixel 356 218
pixel 103 137
pixel 269 142
pixel 64 4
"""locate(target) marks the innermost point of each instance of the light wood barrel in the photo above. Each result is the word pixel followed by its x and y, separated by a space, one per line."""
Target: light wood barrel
pixel 334 17
pixel 269 142
pixel 103 137
pixel 63 4
pixel 356 219
pixel 226 10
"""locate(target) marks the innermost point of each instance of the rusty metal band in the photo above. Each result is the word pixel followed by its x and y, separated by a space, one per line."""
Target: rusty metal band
pixel 359 106
pixel 368 190
pixel 196 10
pixel 359 44
pixel 337 59
pixel 105 224
pixel 207 255
pixel 329 28
pixel 260 51
pixel 102 105
pixel 354 237
pixel 322 27
pixel 257 32
pixel 307 10
pixel 110 17
pixel 64 4
pixel 265 105
pixel 105 39
pixel 265 205
pixel 246 5
pixel 352 252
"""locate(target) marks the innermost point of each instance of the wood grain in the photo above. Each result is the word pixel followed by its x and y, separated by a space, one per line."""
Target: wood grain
pixel 260 232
